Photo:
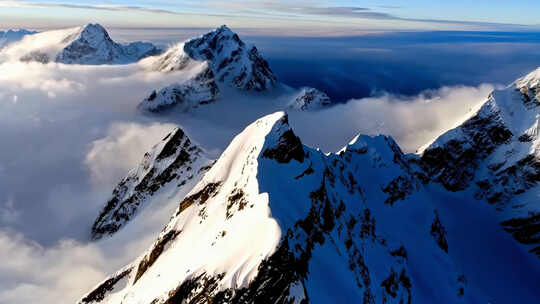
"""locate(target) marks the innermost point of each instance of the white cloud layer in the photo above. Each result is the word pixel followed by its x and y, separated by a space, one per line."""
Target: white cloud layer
pixel 412 121
pixel 122 149
pixel 69 133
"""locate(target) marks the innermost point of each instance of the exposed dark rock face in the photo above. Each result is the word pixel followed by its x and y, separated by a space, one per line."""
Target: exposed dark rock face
pixel 454 164
pixel 232 61
pixel 237 202
pixel 507 182
pixel 462 280
pixel 392 284
pixel 185 162
pixel 98 294
pixel 438 232
pixel 307 172
pixel 399 189
pixel 288 146
pixel 310 99
pixel 148 260
pixel 200 197
pixel 272 285
pixel 530 96
pixel 93 45
pixel 193 93
pixel 525 230
pixel 199 290
pixel 484 154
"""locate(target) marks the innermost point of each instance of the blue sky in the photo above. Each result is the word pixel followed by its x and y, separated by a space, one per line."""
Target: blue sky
pixel 316 16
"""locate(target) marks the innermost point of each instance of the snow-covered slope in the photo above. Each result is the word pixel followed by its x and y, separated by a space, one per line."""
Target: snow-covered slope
pixel 310 99
pixel 233 62
pixel 491 147
pixel 93 45
pixel 496 154
pixel 274 221
pixel 200 90
pixel 228 63
pixel 90 44
pixel 173 165
pixel 10 36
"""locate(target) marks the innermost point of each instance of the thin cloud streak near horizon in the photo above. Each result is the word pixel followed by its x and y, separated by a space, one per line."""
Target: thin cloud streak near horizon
pixel 304 17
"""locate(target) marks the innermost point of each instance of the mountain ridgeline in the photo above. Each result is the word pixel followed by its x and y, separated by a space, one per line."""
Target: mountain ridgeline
pixel 10 36
pixel 86 45
pixel 207 66
pixel 228 61
pixel 275 221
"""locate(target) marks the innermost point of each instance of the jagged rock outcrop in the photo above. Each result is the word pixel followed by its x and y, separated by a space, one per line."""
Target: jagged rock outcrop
pixel 88 45
pixel 233 62
pixel 275 220
pixel 310 99
pixel 93 45
pixel 272 237
pixel 192 93
pixel 496 153
pixel 173 164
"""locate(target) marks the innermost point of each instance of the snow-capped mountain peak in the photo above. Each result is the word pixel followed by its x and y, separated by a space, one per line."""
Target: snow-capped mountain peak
pixel 173 167
pixel 530 81
pixel 192 93
pixel 277 211
pixel 10 36
pixel 94 34
pixel 530 88
pixel 89 44
pixel 496 155
pixel 93 45
pixel 232 61
pixel 310 99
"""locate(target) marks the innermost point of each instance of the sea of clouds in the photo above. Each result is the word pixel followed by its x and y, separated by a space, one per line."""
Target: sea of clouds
pixel 69 133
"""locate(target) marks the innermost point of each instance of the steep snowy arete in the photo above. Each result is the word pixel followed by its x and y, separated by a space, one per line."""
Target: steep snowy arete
pixel 496 154
pixel 173 165
pixel 274 221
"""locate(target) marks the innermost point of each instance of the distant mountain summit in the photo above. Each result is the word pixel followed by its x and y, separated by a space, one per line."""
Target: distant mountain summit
pixel 89 45
pixel 222 59
pixel 496 155
pixel 10 36
pixel 232 62
pixel 93 45
pixel 192 93
pixel 310 99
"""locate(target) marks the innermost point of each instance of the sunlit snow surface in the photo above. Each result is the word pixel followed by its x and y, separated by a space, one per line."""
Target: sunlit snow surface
pixel 54 106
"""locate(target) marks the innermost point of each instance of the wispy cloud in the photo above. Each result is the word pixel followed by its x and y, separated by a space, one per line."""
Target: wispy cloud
pixel 16 3
pixel 283 11
pixel 314 8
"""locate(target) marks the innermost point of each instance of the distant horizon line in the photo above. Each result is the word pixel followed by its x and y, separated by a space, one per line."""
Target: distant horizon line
pixel 252 31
